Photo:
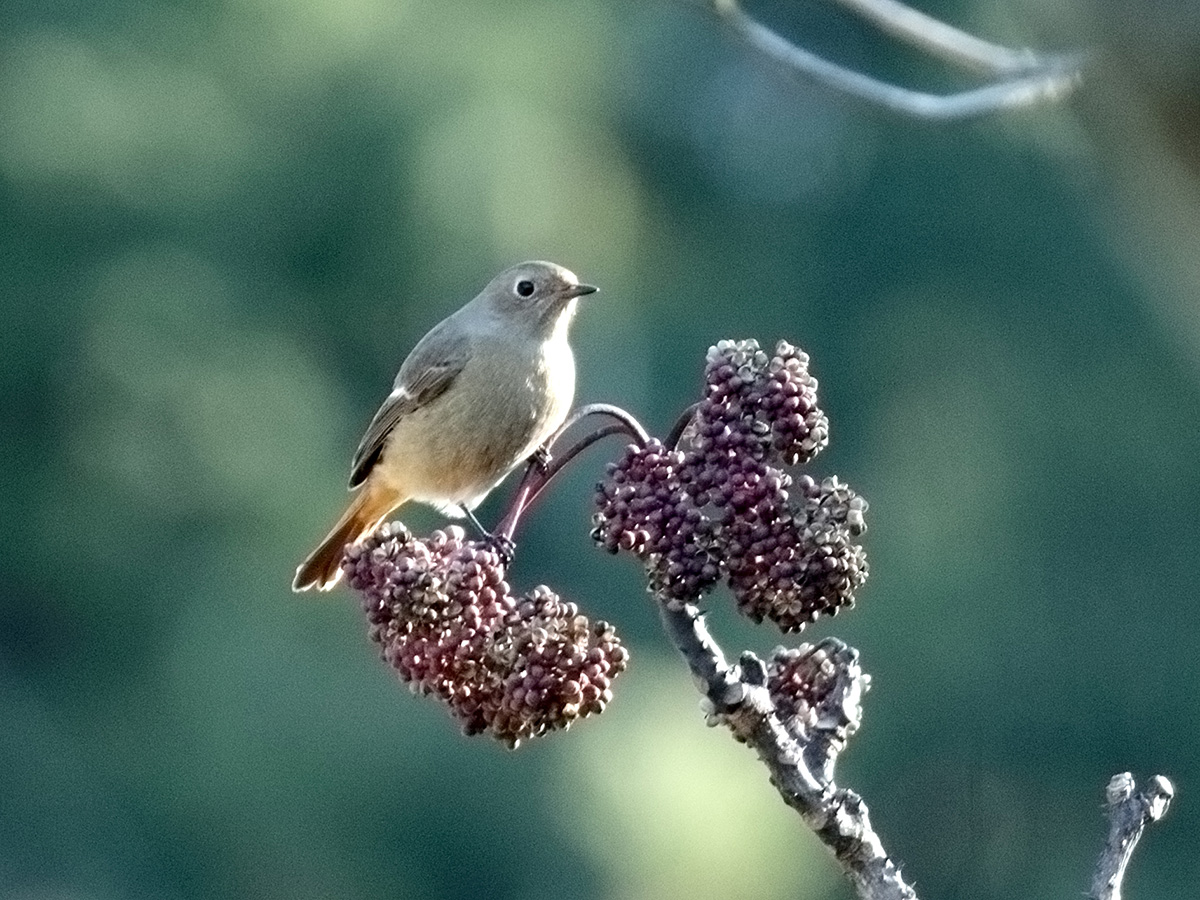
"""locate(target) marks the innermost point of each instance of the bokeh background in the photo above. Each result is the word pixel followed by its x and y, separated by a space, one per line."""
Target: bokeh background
pixel 222 224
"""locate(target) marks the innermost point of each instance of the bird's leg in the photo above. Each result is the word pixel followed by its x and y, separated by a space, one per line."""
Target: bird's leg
pixel 504 546
pixel 475 521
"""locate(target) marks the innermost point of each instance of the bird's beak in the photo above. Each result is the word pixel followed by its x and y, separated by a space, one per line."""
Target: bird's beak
pixel 578 290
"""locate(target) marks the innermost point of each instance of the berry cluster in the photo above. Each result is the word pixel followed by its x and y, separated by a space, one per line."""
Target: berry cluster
pixel 648 512
pixel 514 667
pixel 721 506
pixel 792 564
pixel 759 406
pixel 818 687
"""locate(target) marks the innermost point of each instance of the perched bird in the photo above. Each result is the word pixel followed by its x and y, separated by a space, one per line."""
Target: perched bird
pixel 476 396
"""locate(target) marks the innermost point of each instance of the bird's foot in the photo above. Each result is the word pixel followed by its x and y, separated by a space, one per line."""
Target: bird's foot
pixel 541 458
pixel 505 547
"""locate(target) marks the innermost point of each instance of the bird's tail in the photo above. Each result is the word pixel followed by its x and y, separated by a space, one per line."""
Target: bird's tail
pixel 323 568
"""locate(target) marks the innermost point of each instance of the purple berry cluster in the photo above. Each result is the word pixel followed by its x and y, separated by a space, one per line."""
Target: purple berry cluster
pixel 760 406
pixel 647 510
pixel 721 506
pixel 513 667
pixel 818 687
pixel 792 563
pixel 799 680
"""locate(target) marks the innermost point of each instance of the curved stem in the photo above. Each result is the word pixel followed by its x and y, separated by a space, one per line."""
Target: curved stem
pixel 631 426
pixel 940 39
pixel 560 462
pixel 512 515
pixel 680 426
pixel 539 473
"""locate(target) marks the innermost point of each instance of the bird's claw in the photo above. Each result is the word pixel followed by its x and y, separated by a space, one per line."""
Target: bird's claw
pixel 541 458
pixel 503 546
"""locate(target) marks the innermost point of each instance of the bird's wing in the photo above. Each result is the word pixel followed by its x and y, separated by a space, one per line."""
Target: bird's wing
pixel 429 370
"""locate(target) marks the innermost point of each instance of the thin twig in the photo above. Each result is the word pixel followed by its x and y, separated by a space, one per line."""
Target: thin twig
pixel 558 463
pixel 1049 79
pixel 1128 815
pixel 942 40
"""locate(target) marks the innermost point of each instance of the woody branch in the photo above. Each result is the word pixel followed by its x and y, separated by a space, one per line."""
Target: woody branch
pixel 1018 77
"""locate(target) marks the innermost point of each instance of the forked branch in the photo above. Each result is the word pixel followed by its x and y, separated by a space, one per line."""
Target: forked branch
pixel 738 697
pixel 1020 77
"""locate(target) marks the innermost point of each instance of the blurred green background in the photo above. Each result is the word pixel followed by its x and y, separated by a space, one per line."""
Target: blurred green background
pixel 224 222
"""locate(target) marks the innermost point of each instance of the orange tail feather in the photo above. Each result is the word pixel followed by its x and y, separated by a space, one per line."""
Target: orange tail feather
pixel 323 568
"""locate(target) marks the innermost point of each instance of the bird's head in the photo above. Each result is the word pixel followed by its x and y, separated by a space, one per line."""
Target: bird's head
pixel 539 296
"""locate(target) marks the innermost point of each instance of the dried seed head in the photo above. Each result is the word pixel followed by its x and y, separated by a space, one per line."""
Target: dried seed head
pixel 760 406
pixel 720 507
pixel 793 563
pixel 644 508
pixel 818 688
pixel 447 622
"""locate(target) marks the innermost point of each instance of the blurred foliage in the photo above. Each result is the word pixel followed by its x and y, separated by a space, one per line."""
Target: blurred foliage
pixel 222 224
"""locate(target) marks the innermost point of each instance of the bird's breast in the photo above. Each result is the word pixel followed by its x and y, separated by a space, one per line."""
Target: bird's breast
pixel 508 399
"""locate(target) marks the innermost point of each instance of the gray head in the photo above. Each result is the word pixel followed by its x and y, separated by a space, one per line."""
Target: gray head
pixel 537 293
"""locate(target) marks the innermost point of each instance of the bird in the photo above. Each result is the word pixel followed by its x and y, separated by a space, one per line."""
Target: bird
pixel 476 396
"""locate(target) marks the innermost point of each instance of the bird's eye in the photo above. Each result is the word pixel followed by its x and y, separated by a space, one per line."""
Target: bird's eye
pixel 525 288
